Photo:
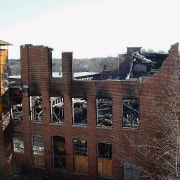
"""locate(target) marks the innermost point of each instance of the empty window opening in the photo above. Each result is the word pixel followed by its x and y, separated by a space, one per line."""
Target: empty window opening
pixel 16 107
pixel 57 109
pixel 38 150
pixel 131 113
pixel 104 112
pixel 130 171
pixel 36 108
pixel 79 111
pixel 104 159
pixel 18 142
pixel 80 156
pixel 59 152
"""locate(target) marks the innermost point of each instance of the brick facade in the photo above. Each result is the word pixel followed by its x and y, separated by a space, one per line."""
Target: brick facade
pixel 36 73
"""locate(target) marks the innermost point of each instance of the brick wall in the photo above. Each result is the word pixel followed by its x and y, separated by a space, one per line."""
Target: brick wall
pixel 36 73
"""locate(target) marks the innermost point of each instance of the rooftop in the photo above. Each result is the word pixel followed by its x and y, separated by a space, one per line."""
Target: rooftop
pixel 4 43
pixel 59 75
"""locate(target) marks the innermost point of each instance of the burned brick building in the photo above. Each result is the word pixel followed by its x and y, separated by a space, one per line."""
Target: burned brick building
pixel 72 128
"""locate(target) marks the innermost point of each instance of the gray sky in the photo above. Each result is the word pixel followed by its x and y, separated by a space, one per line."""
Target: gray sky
pixel 90 28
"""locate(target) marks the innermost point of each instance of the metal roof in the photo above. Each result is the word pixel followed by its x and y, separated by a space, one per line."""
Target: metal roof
pixel 76 74
pixel 141 58
pixel 4 43
pixel 58 75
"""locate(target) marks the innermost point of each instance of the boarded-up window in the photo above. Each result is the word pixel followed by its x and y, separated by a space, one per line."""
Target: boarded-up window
pixel 104 112
pixel 57 110
pixel 36 108
pixel 79 111
pixel 105 159
pixel 130 171
pixel 59 152
pixel 131 113
pixel 80 156
pixel 38 150
pixel 105 167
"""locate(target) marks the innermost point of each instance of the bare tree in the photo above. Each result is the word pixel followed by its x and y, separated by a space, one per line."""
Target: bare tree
pixel 157 155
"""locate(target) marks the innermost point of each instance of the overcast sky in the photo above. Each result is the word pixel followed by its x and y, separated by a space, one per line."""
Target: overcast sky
pixel 90 28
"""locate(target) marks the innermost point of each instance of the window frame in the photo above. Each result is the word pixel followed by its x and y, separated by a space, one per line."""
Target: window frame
pixel 81 148
pixel 130 171
pixel 36 116
pixel 80 152
pixel 38 157
pixel 104 164
pixel 104 120
pixel 57 118
pixel 16 108
pixel 58 154
pixel 131 120
pixel 107 143
pixel 79 106
pixel 19 143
